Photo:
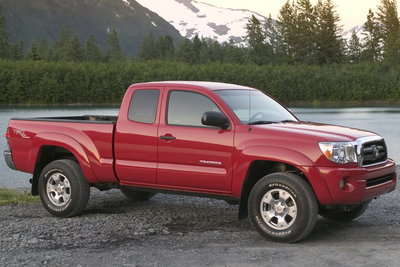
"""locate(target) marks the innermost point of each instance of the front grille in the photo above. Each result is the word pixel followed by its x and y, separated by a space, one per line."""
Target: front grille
pixel 373 152
pixel 379 180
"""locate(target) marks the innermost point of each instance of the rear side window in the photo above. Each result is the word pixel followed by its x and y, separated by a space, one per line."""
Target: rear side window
pixel 143 107
pixel 187 108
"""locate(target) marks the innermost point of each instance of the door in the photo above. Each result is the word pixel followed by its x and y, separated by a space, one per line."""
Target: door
pixel 136 138
pixel 191 155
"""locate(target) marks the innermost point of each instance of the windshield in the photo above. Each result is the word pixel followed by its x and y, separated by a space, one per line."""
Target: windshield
pixel 261 109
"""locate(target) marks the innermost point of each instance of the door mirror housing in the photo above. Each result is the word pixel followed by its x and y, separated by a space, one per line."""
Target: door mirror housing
pixel 216 119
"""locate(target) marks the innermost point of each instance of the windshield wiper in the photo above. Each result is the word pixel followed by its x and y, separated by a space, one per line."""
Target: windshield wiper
pixel 261 122
pixel 288 121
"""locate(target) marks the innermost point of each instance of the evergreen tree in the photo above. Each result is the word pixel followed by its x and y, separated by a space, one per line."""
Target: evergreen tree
pixel 4 45
pixel 33 52
pixel 61 45
pixel 186 52
pixel 329 43
pixel 388 19
pixel 197 45
pixel 166 48
pixel 372 40
pixel 16 51
pixel 74 50
pixel 275 40
pixel 45 51
pixel 297 25
pixel 233 53
pixel 354 48
pixel 148 48
pixel 286 26
pixel 114 52
pixel 92 51
pixel 305 32
pixel 259 50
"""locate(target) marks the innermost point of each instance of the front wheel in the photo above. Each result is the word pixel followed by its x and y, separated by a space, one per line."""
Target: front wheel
pixel 283 207
pixel 345 214
pixel 63 189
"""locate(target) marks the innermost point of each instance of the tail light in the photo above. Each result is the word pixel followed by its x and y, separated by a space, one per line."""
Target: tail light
pixel 8 140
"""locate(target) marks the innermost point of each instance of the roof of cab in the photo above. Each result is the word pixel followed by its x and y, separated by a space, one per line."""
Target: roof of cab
pixel 205 85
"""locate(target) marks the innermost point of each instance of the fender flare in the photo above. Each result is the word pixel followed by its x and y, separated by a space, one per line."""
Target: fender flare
pixel 66 142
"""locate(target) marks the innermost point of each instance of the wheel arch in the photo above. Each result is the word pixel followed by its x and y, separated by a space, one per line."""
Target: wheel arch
pixel 46 151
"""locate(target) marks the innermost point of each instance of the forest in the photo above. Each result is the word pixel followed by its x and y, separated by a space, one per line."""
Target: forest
pixel 301 58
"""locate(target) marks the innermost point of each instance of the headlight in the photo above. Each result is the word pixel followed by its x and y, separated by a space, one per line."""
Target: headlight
pixel 340 152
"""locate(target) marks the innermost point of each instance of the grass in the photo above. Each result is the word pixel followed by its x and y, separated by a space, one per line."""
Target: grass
pixel 10 196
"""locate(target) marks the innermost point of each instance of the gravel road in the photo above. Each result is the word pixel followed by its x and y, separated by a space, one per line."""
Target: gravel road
pixel 173 230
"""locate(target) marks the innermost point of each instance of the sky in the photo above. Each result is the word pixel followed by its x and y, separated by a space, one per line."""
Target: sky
pixel 351 12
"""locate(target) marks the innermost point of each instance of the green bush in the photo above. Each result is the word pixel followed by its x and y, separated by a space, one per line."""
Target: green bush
pixel 44 83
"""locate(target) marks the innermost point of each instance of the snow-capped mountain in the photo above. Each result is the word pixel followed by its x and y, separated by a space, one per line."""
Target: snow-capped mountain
pixel 192 17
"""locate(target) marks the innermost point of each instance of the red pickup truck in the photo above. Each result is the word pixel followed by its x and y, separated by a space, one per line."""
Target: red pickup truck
pixel 206 139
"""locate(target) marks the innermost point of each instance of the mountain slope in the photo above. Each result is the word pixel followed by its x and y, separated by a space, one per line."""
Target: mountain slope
pixel 194 17
pixel 39 19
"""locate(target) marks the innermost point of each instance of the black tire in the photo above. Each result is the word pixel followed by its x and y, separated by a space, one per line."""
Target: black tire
pixel 136 195
pixel 342 214
pixel 63 189
pixel 283 207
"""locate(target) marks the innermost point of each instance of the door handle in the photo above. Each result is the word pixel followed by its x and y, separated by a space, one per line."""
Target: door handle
pixel 167 137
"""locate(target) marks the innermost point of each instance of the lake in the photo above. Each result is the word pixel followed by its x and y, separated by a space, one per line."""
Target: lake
pixel 382 120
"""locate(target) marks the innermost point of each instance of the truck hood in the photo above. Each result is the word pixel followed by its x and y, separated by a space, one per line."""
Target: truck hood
pixel 319 131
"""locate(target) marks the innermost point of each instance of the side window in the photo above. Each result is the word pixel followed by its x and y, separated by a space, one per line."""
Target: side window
pixel 143 107
pixel 187 108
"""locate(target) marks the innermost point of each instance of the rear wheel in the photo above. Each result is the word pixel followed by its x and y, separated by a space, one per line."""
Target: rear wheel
pixel 283 207
pixel 345 214
pixel 136 195
pixel 63 189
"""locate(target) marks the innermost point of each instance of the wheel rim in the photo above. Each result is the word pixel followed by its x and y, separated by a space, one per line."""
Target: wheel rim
pixel 58 189
pixel 278 209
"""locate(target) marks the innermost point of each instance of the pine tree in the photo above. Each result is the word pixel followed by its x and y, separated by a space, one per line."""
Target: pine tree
pixel 33 52
pixel 197 45
pixel 286 26
pixel 45 51
pixel 74 50
pixel 260 51
pixel 372 39
pixel 16 51
pixel 329 43
pixel 92 51
pixel 165 45
pixel 4 44
pixel 114 52
pixel 61 45
pixel 388 19
pixel 275 40
pixel 297 26
pixel 186 52
pixel 148 48
pixel 354 48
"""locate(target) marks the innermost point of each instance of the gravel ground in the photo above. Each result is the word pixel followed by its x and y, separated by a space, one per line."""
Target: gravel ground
pixel 173 230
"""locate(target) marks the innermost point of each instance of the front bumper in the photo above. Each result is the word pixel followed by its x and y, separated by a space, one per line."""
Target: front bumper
pixel 359 184
pixel 8 158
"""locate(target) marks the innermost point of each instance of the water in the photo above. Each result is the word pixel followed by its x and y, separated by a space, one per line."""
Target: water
pixel 384 121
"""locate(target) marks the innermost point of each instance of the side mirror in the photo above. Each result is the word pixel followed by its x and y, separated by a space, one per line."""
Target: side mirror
pixel 216 119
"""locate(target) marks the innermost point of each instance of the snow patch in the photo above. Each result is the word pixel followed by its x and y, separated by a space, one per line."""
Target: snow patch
pixel 155 25
pixel 126 2
pixel 191 17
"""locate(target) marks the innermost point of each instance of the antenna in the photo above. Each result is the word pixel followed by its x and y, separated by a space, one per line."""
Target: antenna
pixel 249 129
